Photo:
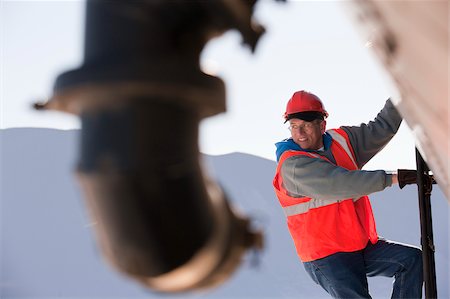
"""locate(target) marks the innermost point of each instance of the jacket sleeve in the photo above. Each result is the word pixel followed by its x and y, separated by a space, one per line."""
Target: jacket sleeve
pixel 319 179
pixel 368 139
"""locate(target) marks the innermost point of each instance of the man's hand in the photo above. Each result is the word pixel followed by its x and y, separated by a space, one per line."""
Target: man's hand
pixel 406 177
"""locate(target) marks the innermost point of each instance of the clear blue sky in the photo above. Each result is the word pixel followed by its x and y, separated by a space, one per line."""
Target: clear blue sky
pixel 311 45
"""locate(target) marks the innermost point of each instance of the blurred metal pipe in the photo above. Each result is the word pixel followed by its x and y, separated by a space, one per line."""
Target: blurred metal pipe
pixel 140 94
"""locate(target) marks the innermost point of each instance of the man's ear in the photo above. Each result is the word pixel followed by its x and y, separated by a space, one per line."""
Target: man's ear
pixel 323 126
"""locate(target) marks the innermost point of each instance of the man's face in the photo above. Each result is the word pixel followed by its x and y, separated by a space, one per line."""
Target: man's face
pixel 307 134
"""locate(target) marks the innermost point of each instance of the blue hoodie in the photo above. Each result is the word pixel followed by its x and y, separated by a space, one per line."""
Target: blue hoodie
pixel 289 144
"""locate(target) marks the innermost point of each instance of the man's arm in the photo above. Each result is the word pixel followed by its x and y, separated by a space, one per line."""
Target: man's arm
pixel 318 179
pixel 368 139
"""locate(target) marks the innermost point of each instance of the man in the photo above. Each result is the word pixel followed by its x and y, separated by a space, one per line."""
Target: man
pixel 323 192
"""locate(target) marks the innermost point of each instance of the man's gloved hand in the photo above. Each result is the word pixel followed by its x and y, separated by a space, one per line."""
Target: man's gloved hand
pixel 406 177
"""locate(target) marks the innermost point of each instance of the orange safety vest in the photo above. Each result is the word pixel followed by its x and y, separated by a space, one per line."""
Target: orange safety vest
pixel 320 228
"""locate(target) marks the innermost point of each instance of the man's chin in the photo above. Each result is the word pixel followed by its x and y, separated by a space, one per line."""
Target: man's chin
pixel 304 145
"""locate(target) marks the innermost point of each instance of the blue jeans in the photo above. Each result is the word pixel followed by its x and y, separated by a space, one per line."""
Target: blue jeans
pixel 344 274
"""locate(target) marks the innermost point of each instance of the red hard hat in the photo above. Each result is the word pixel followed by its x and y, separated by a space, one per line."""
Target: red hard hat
pixel 302 101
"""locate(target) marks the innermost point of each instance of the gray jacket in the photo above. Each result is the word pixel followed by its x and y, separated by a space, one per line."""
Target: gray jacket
pixel 319 179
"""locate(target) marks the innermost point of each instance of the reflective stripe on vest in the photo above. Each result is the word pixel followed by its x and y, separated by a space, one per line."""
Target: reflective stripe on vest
pixel 342 142
pixel 304 207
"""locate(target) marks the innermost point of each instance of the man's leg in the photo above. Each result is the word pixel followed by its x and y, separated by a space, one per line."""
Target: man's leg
pixel 404 262
pixel 342 275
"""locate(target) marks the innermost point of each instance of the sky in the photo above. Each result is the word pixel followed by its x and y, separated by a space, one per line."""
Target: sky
pixel 308 45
